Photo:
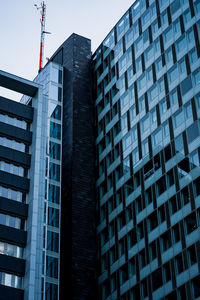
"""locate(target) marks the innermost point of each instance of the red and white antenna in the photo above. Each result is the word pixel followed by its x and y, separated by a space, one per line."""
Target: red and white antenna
pixel 42 9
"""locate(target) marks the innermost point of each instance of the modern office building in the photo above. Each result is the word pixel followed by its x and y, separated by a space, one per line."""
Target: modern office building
pixel 130 230
pixel 53 242
pixel 22 164
pixel 147 109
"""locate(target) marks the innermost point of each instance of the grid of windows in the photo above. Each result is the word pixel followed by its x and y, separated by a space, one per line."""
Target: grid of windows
pixel 148 149
pixel 51 228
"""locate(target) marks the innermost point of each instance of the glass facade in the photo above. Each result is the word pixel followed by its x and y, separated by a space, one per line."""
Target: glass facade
pixel 51 78
pixel 147 106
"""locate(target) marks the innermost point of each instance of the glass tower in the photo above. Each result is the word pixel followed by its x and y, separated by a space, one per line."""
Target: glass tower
pixel 147 111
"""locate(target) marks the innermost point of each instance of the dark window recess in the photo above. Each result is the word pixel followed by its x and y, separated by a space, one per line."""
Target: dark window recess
pixel 150 35
pixel 196 286
pixel 143 62
pixel 182 292
pixel 166 240
pixel 153 221
pixel 192 8
pixel 170 178
pixel 184 167
pixel 176 233
pixel 168 153
pixel 161 214
pixel 137 179
pixel 166 272
pixel 142 259
pixel 157 279
pixel 190 223
pixel 121 220
pixel 132 238
pixel 182 25
pixel 123 273
pixel 187 64
pixel 148 169
pixel 161 185
pixel 138 203
pixel 169 15
pixel 174 54
pixel 173 205
pixel 185 196
pixel 171 296
pixel 197 187
pixel 179 263
pixel 148 196
pixel 152 251
pixel 192 255
pixel 196 39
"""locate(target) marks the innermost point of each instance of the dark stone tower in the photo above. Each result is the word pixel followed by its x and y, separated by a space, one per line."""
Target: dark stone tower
pixel 77 269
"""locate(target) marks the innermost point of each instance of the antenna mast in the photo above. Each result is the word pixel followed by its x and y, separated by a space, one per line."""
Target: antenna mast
pixel 42 9
pixel 42 20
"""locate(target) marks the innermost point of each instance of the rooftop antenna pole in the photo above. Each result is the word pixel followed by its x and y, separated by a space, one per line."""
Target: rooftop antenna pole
pixel 42 9
pixel 43 13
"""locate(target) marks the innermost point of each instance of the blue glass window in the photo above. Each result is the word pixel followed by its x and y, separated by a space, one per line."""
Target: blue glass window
pixel 146 17
pixel 135 10
pixel 52 241
pixel 186 85
pixel 177 26
pixel 153 93
pixel 148 53
pixel 145 124
pixel 168 34
pixel 55 130
pixel 165 129
pixel 187 16
pixel 51 267
pixel 179 146
pixel 54 150
pixel 168 55
pixel 138 64
pixel 141 103
pixel 54 171
pixel 197 7
pixel 56 113
pixel 175 6
pixel 196 77
pixel 54 194
pixel 163 106
pixel 178 118
pixel 141 82
pixel 164 18
pixel 182 66
pixel 53 217
pixel 192 132
pixel 173 74
pixel 156 137
pixel 193 56
pixel 145 147
pixel 181 44
pixel 135 156
pixel 190 36
pixel 188 110
pixel 132 112
pixel 154 27
pixel 158 64
pixel 139 43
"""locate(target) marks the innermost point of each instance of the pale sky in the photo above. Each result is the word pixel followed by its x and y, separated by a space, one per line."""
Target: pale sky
pixel 20 30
